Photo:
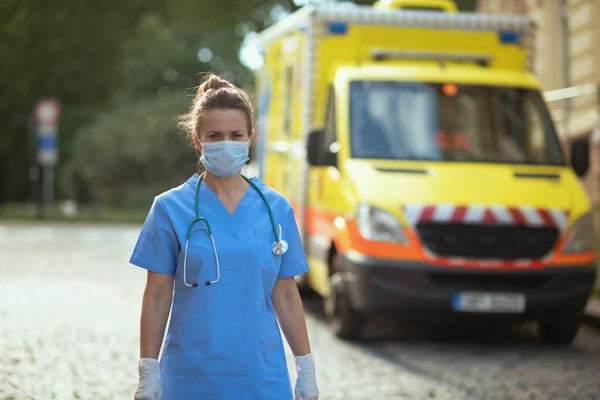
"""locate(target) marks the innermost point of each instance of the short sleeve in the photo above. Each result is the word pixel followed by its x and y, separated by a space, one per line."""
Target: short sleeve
pixel 157 245
pixel 294 261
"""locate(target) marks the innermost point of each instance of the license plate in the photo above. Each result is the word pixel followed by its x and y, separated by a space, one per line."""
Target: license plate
pixel 489 302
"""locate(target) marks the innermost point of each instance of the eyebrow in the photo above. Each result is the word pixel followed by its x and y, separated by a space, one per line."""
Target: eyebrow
pixel 219 132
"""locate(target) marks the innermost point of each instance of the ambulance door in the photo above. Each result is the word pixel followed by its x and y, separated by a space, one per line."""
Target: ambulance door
pixel 324 199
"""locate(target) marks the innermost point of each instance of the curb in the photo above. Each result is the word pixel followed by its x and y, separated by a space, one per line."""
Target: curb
pixel 592 313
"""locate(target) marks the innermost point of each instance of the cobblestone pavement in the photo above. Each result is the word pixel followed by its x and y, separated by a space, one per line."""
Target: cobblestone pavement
pixel 69 312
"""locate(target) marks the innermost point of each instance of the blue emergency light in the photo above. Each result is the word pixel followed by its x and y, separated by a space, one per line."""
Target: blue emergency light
pixel 338 28
pixel 509 37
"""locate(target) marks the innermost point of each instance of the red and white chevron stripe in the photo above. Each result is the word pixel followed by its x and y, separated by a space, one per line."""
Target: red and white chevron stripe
pixel 486 214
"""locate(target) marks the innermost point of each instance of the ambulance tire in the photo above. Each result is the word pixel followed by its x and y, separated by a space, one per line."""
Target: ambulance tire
pixel 560 333
pixel 345 322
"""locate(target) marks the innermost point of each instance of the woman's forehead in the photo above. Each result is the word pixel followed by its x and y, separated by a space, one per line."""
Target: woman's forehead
pixel 224 120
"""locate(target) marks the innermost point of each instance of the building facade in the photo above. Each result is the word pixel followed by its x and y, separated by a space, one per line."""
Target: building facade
pixel 566 54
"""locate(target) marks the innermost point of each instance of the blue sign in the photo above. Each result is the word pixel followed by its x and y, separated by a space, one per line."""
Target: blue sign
pixel 47 145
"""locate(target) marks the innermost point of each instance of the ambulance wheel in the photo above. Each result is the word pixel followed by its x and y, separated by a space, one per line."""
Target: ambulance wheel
pixel 345 322
pixel 560 333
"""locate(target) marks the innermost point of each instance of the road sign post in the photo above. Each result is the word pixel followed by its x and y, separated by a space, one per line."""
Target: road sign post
pixel 47 115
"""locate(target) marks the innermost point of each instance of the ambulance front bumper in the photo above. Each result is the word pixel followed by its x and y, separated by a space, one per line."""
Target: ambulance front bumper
pixel 420 291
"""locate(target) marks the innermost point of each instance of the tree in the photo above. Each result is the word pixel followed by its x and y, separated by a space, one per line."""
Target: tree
pixel 131 152
pixel 65 48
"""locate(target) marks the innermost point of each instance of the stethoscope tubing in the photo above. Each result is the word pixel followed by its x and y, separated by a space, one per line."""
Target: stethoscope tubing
pixel 280 246
pixel 207 283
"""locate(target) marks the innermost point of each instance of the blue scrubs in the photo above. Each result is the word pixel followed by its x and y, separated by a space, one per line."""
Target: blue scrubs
pixel 223 341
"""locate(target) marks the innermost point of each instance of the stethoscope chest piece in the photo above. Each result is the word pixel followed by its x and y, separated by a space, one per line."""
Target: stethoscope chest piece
pixel 280 247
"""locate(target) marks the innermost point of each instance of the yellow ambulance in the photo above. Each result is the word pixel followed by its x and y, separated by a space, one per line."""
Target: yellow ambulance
pixel 424 168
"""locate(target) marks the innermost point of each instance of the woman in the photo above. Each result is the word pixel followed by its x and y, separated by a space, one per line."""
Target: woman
pixel 225 302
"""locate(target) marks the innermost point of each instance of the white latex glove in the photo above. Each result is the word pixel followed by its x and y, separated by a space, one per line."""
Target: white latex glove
pixel 306 383
pixel 149 387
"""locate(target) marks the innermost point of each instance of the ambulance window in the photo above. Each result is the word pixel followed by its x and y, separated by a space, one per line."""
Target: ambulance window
pixel 287 103
pixel 536 140
pixel 464 125
pixel 330 125
pixel 451 122
pixel 537 146
pixel 527 124
pixel 392 120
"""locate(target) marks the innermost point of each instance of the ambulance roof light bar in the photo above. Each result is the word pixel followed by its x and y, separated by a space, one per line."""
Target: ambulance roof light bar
pixel 366 15
pixel 382 55
pixel 362 15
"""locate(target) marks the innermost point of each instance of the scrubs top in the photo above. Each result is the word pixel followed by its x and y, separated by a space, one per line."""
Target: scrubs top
pixel 223 341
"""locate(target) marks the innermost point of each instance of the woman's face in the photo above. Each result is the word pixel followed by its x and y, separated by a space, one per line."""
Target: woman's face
pixel 223 124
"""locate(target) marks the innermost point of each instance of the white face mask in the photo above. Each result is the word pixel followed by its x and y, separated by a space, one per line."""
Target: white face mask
pixel 224 158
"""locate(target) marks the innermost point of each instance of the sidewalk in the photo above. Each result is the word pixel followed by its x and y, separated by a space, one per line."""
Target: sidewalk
pixel 592 312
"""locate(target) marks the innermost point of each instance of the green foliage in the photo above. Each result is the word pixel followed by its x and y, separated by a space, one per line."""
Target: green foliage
pixel 63 48
pixel 149 57
pixel 466 5
pixel 132 152
pixel 67 49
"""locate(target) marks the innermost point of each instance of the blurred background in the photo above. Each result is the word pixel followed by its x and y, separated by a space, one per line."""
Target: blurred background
pixel 89 97
pixel 122 71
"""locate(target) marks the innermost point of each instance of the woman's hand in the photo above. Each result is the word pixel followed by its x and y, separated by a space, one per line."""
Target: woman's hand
pixel 156 306
pixel 306 383
pixel 149 387
pixel 290 313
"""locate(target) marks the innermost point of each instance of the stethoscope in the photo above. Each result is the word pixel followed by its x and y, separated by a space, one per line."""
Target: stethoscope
pixel 279 247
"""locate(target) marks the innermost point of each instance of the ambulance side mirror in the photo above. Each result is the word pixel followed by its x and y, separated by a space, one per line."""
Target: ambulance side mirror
pixel 314 147
pixel 580 156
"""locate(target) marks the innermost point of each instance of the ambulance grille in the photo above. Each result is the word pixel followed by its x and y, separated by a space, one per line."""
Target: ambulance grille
pixel 487 241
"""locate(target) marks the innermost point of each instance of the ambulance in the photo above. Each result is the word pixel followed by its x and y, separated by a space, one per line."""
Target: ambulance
pixel 425 171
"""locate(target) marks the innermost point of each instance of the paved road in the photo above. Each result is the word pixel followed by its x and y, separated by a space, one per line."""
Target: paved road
pixel 69 311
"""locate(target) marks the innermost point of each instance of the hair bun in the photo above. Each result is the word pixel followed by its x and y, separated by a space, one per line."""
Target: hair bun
pixel 213 82
pixel 209 97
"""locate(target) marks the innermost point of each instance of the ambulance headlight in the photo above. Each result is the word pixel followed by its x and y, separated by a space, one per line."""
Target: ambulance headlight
pixel 581 237
pixel 377 224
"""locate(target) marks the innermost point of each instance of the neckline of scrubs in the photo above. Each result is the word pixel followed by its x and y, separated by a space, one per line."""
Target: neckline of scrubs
pixel 231 221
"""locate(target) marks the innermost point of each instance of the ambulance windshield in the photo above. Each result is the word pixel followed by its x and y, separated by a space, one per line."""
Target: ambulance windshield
pixel 448 122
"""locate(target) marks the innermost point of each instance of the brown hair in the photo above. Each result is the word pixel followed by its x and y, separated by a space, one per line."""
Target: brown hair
pixel 215 93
